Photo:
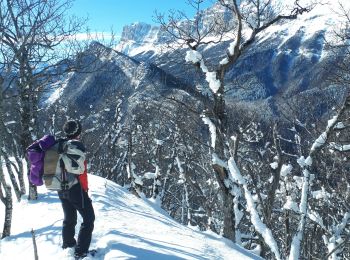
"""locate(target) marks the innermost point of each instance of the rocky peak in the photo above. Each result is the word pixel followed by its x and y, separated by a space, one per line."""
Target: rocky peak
pixel 137 35
pixel 136 32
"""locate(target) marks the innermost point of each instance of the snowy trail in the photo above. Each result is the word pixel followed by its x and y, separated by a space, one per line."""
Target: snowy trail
pixel 126 227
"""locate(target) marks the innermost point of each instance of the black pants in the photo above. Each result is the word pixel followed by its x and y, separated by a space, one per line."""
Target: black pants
pixel 73 200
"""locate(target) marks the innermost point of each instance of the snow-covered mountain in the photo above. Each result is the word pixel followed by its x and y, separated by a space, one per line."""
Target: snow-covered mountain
pixel 141 38
pixel 287 62
pixel 126 227
pixel 138 35
pixel 114 84
pixel 288 59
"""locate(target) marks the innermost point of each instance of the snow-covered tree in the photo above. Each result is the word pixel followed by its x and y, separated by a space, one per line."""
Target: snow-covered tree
pixel 249 19
pixel 5 188
pixel 40 42
pixel 32 33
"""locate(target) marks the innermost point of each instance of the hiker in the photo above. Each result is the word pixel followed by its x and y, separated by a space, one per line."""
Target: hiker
pixel 75 198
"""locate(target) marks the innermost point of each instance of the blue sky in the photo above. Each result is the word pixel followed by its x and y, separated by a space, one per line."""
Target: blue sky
pixel 104 14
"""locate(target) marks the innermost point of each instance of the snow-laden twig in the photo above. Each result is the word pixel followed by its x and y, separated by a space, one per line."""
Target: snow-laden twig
pixel 322 139
pixel 340 147
pixel 298 237
pixel 305 164
pixel 335 242
pixel 212 129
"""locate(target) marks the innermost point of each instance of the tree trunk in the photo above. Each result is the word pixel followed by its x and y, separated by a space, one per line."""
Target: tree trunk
pixel 21 176
pixel 8 213
pixel 229 218
pixel 33 192
pixel 276 180
pixel 26 138
pixel 221 172
pixel 156 181
pixel 7 197
pixel 134 187
pixel 228 210
pixel 7 200
pixel 12 177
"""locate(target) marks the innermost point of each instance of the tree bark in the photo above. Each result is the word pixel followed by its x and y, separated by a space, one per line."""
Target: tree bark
pixel 228 210
pixel 12 176
pixel 7 197
pixel 27 117
pixel 220 117
pixel 7 200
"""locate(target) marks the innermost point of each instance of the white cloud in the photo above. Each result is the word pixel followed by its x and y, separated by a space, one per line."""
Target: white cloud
pixel 106 36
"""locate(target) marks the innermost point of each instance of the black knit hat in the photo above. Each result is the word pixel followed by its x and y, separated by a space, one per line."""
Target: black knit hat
pixel 72 128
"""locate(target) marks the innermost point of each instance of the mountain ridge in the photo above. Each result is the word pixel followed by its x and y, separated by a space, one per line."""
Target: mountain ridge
pixel 287 58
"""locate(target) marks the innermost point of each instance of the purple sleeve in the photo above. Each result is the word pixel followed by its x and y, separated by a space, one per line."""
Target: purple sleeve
pixel 46 142
pixel 36 154
pixel 36 159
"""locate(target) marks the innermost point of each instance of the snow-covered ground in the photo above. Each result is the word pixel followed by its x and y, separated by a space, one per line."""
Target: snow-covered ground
pixel 126 227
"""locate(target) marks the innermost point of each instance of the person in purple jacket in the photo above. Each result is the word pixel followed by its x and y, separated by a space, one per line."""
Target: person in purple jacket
pixel 74 198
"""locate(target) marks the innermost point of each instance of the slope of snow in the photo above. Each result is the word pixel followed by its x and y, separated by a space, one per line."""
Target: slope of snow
pixel 55 90
pixel 323 17
pixel 126 227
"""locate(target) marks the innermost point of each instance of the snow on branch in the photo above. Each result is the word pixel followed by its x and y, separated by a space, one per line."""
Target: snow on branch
pixel 305 164
pixel 211 76
pixel 232 47
pixel 298 237
pixel 336 241
pixel 322 139
pixel 193 56
pixel 218 161
pixel 339 126
pixel 340 147
pixel 236 176
pixel 212 130
pixel 286 170
pixel 214 83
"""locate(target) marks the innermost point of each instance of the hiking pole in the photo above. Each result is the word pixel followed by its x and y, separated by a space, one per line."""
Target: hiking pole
pixel 36 257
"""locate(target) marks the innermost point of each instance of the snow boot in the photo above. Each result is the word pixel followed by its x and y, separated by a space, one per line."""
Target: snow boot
pixel 90 253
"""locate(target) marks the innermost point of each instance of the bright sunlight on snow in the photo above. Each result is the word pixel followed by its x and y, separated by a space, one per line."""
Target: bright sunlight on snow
pixel 126 227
